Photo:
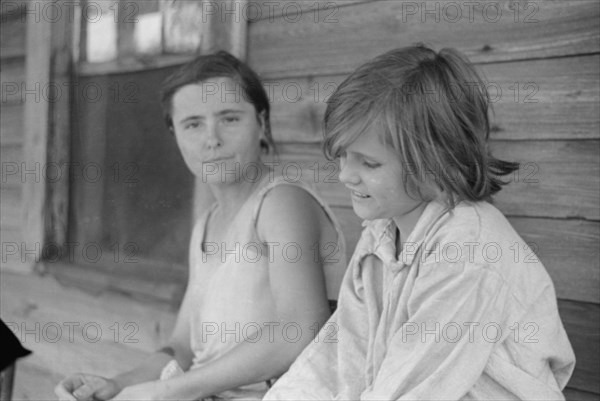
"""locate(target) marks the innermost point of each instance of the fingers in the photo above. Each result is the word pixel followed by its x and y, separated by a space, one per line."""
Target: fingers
pixel 91 384
pixel 107 392
pixel 79 387
pixel 63 394
pixel 64 389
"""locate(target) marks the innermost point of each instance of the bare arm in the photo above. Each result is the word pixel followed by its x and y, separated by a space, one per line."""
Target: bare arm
pixel 82 386
pixel 178 348
pixel 289 216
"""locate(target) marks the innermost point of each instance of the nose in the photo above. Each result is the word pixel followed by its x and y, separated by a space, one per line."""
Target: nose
pixel 213 140
pixel 348 175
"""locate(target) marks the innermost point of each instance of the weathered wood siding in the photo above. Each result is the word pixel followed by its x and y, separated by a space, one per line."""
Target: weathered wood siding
pixel 541 59
pixel 12 73
pixel 549 50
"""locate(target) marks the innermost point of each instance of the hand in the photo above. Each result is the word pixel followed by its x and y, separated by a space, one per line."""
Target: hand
pixel 84 387
pixel 148 391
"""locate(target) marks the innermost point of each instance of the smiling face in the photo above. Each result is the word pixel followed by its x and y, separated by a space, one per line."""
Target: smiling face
pixel 373 173
pixel 217 130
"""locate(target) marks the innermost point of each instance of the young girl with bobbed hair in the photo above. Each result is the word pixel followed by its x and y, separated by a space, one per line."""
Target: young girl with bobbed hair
pixel 434 304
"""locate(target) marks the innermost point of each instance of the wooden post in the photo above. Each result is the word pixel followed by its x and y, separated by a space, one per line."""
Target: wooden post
pixel 59 127
pixel 125 30
pixel 224 27
pixel 35 139
pixel 46 130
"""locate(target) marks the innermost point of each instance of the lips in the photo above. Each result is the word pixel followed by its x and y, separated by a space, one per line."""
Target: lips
pixel 218 159
pixel 359 195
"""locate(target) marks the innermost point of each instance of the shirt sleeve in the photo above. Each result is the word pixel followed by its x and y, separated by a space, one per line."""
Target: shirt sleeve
pixel 455 319
pixel 312 376
pixel 331 366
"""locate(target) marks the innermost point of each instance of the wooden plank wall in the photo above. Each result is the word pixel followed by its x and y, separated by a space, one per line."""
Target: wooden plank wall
pixel 12 73
pixel 541 59
pixel 35 147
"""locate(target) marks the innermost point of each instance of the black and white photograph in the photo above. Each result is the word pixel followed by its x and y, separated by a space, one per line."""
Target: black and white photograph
pixel 376 200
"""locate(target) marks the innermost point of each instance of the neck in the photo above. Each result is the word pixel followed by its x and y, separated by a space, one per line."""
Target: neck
pixel 230 196
pixel 407 222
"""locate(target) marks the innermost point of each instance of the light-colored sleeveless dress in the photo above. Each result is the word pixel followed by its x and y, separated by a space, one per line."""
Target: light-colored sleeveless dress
pixel 233 304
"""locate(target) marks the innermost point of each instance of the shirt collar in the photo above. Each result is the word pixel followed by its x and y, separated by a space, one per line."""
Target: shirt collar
pixel 381 235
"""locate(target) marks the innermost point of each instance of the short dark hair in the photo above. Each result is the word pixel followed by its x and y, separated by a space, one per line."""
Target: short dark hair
pixel 219 65
pixel 434 109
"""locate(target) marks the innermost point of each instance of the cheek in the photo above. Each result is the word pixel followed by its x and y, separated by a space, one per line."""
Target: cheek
pixel 187 140
pixel 248 145
pixel 395 183
pixel 386 184
pixel 184 148
pixel 188 148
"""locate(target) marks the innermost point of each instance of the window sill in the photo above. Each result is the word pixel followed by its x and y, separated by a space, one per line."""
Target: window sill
pixel 163 284
pixel 132 64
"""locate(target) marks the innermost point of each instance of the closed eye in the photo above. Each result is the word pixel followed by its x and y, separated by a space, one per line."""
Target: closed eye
pixel 371 165
pixel 191 125
pixel 231 119
pixel 359 157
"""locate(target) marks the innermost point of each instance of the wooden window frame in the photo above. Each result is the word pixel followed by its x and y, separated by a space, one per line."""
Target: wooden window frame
pixel 50 58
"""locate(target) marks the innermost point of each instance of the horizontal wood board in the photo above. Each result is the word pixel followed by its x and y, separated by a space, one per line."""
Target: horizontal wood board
pixel 359 32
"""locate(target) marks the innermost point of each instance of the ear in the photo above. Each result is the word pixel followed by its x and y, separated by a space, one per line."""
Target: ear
pixel 260 117
pixel 264 143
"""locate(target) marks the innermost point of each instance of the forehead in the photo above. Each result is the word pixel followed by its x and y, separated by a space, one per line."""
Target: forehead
pixel 372 138
pixel 210 96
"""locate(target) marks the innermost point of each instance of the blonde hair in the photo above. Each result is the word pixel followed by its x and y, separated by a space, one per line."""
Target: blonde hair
pixel 434 108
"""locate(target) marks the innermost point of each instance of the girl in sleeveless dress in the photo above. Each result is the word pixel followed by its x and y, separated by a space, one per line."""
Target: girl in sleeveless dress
pixel 257 293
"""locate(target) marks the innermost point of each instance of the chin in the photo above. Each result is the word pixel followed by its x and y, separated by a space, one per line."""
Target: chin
pixel 220 174
pixel 218 180
pixel 364 214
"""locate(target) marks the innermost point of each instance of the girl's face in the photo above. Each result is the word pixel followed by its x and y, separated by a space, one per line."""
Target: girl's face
pixel 373 172
pixel 217 130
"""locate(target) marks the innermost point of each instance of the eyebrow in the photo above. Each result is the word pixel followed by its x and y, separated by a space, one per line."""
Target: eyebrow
pixel 363 155
pixel 220 113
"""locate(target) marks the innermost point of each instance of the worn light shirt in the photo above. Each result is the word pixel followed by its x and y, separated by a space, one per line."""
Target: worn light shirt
pixel 466 311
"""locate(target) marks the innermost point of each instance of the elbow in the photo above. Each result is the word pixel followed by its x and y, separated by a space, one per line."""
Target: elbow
pixel 181 354
pixel 285 356
pixel 282 365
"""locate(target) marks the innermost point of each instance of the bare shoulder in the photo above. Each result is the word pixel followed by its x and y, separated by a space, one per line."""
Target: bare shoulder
pixel 292 216
pixel 290 210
